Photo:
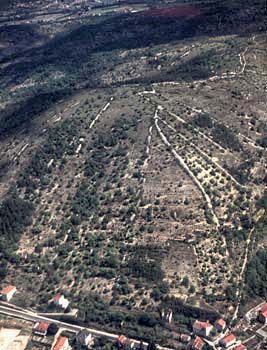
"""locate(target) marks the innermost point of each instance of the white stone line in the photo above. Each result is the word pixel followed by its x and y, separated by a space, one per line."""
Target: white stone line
pixel 99 114
pixel 185 167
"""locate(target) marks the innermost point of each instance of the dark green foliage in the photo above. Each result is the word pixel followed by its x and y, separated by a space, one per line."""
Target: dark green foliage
pixel 58 142
pixel 160 291
pixel 146 263
pixel 203 121
pixel 151 346
pixel 52 329
pixel 106 272
pixel 256 275
pixel 147 320
pixel 242 172
pixel 25 113
pixel 15 216
pixel 185 282
pixel 110 261
pixel 234 235
pixel 230 292
pixel 207 347
pixel 85 200
pixel 187 312
pixel 90 168
pixel 262 203
pixel 150 270
pixel 122 125
pixel 226 137
pixel 263 141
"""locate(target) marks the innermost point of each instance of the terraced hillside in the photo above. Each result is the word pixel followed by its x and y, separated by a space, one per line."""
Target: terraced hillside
pixel 133 161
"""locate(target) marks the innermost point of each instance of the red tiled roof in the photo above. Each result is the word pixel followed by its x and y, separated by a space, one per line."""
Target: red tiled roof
pixel 122 339
pixel 200 324
pixel 41 327
pixel 263 308
pixel 229 338
pixel 239 347
pixel 220 322
pixel 60 343
pixel 264 313
pixel 8 290
pixel 198 343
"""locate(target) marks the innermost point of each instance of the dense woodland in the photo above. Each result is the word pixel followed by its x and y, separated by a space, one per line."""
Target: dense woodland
pixel 15 216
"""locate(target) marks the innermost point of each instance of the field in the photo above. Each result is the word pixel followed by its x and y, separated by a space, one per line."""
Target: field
pixel 133 160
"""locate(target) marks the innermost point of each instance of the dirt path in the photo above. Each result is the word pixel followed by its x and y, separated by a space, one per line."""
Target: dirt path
pixel 149 138
pixel 244 265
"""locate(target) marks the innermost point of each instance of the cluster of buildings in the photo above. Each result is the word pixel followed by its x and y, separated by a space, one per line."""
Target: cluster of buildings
pixel 205 331
pixel 58 300
pixel 40 329
pixel 84 337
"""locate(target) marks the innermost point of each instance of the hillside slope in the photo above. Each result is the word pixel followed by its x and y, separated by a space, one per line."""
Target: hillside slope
pixel 133 157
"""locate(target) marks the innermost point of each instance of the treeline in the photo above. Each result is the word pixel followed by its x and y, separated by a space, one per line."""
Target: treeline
pixel 241 172
pixel 15 216
pixel 226 137
pixel 145 262
pixel 187 313
pixel 256 275
pixel 138 325
pixel 220 133
pixel 203 121
pixel 27 111
pixel 58 142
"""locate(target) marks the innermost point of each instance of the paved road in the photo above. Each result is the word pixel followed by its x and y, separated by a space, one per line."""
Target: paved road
pixel 34 317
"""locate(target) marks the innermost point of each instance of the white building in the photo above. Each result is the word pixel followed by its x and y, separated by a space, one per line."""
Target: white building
pixel 61 301
pixel 8 292
pixel 202 328
pixel 84 337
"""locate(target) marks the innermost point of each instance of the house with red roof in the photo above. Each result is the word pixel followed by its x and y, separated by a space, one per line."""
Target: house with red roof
pixel 202 328
pixel 185 338
pixel 227 341
pixel 263 314
pixel 239 347
pixel 122 339
pixel 62 343
pixel 125 343
pixel 60 301
pixel 198 344
pixel 40 328
pixel 220 325
pixel 8 292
